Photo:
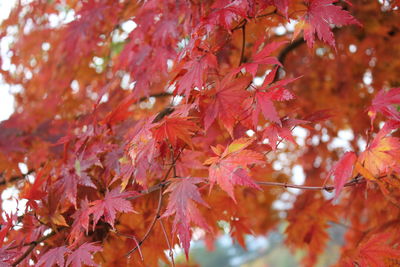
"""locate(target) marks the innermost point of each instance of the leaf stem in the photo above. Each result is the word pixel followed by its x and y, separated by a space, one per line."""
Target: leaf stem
pixel 171 253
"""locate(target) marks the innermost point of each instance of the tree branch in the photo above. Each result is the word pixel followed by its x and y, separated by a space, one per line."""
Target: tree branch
pixel 157 95
pixel 243 43
pixel 32 246
pixel 157 216
pixel 15 178
pixel 150 228
pixel 171 253
pixel 285 51
pixel 328 188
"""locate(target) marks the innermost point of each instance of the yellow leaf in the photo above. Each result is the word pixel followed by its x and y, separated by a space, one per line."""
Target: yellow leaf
pixel 381 155
pixel 58 219
pixel 364 172
pixel 238 145
pixel 210 161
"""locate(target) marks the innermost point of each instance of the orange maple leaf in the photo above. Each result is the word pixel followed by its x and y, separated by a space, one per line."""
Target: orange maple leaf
pixel 382 155
pixel 375 251
pixel 230 167
pixel 174 128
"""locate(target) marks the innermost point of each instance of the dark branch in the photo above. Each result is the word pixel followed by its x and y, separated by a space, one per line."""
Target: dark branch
pixel 150 228
pixel 32 246
pixel 243 43
pixel 3 181
pixel 285 51
pixel 160 198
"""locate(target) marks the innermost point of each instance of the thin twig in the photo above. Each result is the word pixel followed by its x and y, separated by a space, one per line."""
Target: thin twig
pixel 136 242
pixel 32 246
pixel 43 238
pixel 243 43
pixel 150 228
pixel 284 52
pixel 171 253
pixel 240 24
pixel 15 178
pixel 149 190
pixel 157 95
pixel 328 188
pixel 157 216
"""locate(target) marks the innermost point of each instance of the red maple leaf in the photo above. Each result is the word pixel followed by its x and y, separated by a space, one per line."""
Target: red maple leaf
pixel 261 57
pixel 384 102
pixel 54 256
pixel 142 150
pixel 7 227
pixel 174 128
pixel 6 255
pixel 381 155
pixel 113 201
pixel 376 250
pixel 83 255
pixel 184 194
pixel 193 72
pixel 74 174
pixel 266 94
pixel 226 103
pixel 320 14
pixel 120 113
pixel 226 12
pixel 230 167
pixel 34 192
pixel 81 221
pixel 274 131
pixel 342 171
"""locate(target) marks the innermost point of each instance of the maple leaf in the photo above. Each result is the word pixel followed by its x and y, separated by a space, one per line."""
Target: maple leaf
pixel 74 174
pixel 274 131
pixel 174 128
pixel 282 5
pixel 77 33
pixel 320 14
pixel 376 250
pixel 266 94
pixel 6 228
pixel 34 192
pixel 381 155
pixel 83 255
pixel 142 150
pixel 81 221
pixel 239 229
pixel 342 171
pixel 225 12
pixel 183 195
pixel 192 73
pixel 384 102
pixel 261 57
pixel 230 167
pixel 119 51
pixel 54 256
pixel 113 201
pixel 6 255
pixel 226 103
pixel 120 113
pixel 308 222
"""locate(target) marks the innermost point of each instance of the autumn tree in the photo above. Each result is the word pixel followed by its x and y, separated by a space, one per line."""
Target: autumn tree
pixel 141 122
